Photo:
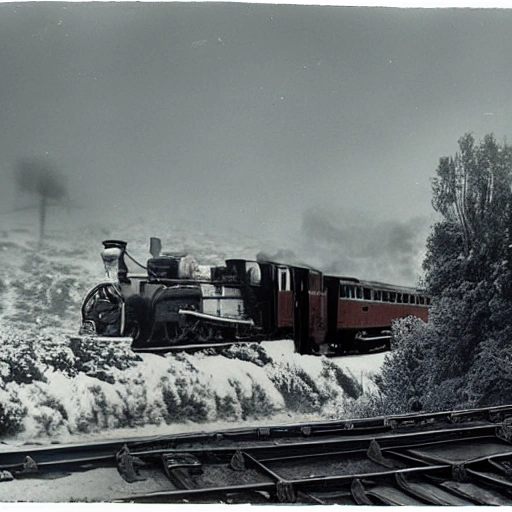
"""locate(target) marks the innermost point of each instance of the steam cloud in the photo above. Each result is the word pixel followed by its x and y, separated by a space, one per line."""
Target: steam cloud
pixel 348 244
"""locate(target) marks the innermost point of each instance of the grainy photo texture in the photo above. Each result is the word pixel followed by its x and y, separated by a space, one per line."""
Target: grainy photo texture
pixel 255 253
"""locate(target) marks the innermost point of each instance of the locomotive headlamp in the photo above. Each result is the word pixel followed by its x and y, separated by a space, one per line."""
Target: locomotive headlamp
pixel 113 259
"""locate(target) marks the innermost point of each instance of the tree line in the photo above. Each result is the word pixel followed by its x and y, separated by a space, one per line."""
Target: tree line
pixel 463 356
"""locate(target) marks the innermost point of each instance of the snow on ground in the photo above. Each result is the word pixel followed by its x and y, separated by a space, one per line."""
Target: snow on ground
pixel 222 375
pixel 98 485
pixel 156 395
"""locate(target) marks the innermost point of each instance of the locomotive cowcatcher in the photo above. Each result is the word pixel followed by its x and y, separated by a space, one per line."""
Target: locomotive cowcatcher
pixel 175 305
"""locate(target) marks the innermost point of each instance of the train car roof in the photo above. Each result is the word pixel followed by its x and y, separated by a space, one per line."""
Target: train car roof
pixel 343 279
pixel 376 284
pixel 277 263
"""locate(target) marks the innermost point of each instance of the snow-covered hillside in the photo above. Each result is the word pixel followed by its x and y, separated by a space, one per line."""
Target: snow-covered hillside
pixel 52 387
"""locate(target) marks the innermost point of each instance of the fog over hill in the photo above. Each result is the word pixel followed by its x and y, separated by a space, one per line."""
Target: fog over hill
pixel 246 115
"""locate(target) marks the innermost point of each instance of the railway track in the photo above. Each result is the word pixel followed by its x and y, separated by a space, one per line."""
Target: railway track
pixel 446 458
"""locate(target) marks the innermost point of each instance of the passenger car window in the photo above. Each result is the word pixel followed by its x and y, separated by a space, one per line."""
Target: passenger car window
pixel 284 279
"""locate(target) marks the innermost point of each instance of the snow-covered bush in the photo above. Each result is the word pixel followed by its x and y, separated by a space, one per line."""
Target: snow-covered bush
pixel 97 358
pixel 300 391
pixel 253 353
pixel 27 354
pixel 333 373
pixel 12 411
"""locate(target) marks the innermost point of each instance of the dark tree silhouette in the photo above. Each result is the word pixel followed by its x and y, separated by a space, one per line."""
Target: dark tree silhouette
pixel 462 357
pixel 39 178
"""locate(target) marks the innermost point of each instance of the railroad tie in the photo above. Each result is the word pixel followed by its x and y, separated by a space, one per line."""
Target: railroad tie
pixel 374 453
pixel 179 468
pixel 128 465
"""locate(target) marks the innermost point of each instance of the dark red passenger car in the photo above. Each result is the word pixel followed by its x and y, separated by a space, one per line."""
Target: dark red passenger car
pixel 360 313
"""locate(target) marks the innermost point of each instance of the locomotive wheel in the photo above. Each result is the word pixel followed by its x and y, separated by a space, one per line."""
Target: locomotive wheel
pixel 185 331
pixel 134 331
pixel 240 333
pixel 137 319
pixel 205 332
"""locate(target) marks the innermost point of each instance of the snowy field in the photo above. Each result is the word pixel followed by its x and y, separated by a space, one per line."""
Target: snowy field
pixel 54 390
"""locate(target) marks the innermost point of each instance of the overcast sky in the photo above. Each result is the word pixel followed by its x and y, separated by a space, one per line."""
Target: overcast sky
pixel 248 115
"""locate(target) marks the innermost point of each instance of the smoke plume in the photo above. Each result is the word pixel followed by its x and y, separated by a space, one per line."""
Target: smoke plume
pixel 343 243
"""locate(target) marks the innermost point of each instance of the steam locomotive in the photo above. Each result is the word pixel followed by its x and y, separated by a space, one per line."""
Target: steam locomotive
pixel 174 305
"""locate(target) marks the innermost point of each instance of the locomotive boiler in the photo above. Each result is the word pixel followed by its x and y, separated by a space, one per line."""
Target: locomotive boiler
pixel 174 305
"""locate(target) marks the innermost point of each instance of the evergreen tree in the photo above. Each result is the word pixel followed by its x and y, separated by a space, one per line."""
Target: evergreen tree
pixel 463 357
pixel 466 270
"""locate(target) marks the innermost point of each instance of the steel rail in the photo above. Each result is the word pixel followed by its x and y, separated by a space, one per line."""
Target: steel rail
pixel 287 489
pixel 351 426
pixel 319 446
pixel 303 484
pixel 271 450
pixel 212 444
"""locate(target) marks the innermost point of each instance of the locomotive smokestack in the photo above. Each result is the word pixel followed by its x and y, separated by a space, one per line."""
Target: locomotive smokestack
pixel 113 259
